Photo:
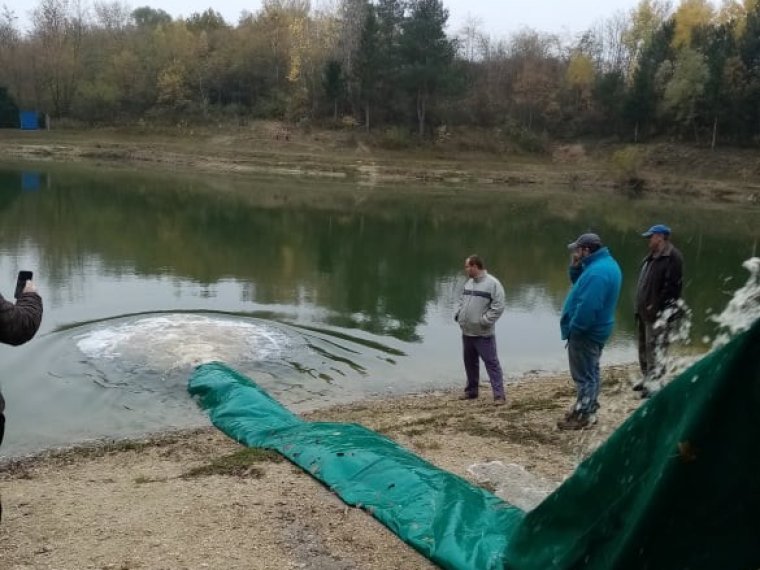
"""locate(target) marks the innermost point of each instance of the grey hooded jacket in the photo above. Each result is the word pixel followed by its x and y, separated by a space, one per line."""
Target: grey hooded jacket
pixel 480 306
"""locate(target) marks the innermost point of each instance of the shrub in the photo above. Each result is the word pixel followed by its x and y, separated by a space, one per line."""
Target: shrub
pixel 395 138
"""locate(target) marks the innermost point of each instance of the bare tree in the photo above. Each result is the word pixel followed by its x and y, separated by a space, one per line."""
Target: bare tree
pixel 471 38
pixel 112 16
pixel 58 27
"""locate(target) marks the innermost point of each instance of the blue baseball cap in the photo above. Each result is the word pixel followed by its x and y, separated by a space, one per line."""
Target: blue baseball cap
pixel 657 229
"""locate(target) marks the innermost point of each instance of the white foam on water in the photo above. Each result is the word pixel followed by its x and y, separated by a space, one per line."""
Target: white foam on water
pixel 181 340
pixel 740 312
pixel 743 309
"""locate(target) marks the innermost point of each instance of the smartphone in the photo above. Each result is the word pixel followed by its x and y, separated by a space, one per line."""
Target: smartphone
pixel 23 277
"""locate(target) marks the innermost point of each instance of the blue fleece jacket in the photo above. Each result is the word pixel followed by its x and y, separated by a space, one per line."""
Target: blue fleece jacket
pixel 589 308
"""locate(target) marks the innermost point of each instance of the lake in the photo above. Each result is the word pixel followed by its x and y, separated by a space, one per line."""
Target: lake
pixel 322 291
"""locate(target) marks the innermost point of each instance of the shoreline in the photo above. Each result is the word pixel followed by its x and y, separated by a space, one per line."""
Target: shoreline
pixel 195 499
pixel 666 171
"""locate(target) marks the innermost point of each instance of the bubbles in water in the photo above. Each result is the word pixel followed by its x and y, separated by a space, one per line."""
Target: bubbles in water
pixel 164 343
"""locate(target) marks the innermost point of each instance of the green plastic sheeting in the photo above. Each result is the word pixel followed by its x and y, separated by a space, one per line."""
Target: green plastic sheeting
pixel 676 487
pixel 453 523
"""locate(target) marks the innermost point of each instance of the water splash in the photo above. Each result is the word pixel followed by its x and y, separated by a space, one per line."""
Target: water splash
pixel 742 310
pixel 672 327
pixel 165 343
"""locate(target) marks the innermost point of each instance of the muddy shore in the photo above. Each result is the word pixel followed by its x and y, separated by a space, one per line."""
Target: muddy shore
pixel 726 176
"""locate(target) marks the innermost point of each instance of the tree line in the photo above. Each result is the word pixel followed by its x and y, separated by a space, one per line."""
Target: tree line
pixel 690 71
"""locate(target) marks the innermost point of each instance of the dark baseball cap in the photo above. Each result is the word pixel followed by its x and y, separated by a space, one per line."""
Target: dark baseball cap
pixel 657 229
pixel 586 240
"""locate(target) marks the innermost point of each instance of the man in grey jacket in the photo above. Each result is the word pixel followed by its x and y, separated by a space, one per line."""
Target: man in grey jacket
pixel 480 306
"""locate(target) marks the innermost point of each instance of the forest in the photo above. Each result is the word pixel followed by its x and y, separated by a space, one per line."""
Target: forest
pixel 689 72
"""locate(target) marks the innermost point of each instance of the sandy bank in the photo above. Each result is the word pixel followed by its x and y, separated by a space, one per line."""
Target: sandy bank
pixel 198 500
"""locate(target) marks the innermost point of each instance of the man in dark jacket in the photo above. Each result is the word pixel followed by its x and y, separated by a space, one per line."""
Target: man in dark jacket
pixel 657 304
pixel 19 322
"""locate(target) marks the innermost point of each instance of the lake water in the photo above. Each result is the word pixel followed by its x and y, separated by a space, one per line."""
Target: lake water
pixel 321 291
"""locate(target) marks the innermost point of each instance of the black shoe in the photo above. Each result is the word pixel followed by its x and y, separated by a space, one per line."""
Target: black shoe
pixel 467 397
pixel 574 422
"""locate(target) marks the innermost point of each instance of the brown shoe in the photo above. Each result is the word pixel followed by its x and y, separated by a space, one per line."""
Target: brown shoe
pixel 467 397
pixel 500 402
pixel 574 422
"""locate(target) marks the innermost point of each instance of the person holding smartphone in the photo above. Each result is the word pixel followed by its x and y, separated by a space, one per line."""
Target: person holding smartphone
pixel 19 322
pixel 588 317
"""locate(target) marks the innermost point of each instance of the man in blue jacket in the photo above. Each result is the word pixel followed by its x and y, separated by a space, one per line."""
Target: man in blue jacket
pixel 588 317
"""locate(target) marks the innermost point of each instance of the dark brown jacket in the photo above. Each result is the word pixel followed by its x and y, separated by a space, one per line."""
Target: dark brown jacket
pixel 19 322
pixel 660 283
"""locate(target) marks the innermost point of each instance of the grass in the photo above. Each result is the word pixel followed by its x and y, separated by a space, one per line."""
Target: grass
pixel 239 464
pixel 427 444
pixel 535 404
pixel 516 433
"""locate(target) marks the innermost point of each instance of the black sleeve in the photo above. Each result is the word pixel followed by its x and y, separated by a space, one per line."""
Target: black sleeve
pixel 674 279
pixel 19 322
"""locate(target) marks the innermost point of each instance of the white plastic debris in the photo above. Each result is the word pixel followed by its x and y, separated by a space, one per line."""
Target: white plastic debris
pixel 512 483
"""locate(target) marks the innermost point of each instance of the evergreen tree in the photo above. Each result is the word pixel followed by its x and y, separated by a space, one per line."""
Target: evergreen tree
pixel 427 54
pixel 8 110
pixel 750 55
pixel 333 82
pixel 367 70
pixel 391 101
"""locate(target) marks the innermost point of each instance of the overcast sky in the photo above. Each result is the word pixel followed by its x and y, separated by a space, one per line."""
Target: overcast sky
pixel 499 17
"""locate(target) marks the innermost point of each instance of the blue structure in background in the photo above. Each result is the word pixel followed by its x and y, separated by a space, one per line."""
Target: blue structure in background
pixel 29 120
pixel 30 181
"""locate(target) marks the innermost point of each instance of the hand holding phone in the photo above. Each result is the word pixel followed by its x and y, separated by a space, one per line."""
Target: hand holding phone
pixel 23 277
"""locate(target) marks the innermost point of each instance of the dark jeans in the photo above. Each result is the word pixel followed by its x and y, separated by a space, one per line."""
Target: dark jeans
pixel 475 348
pixel 584 355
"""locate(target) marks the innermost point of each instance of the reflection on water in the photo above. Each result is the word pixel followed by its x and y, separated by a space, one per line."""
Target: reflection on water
pixel 364 279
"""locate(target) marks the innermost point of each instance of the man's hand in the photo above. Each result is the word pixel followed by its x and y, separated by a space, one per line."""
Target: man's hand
pixel 29 287
pixel 576 257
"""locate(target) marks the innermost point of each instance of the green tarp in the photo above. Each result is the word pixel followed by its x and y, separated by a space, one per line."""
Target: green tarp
pixel 453 523
pixel 677 486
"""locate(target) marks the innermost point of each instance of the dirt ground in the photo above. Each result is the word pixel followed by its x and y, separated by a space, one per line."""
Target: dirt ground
pixel 196 499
